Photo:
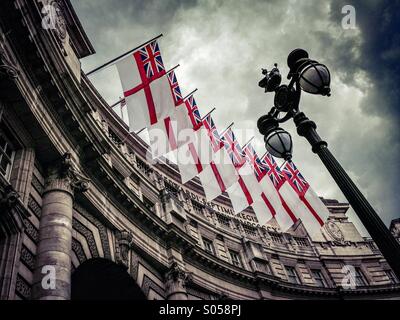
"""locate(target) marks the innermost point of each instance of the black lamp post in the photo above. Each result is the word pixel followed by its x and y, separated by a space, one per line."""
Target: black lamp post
pixel 312 77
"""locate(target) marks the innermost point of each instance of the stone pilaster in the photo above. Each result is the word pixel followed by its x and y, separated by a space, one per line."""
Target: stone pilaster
pixel 176 279
pixel 52 279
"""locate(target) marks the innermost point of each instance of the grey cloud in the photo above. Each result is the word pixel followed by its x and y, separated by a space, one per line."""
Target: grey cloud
pixel 221 47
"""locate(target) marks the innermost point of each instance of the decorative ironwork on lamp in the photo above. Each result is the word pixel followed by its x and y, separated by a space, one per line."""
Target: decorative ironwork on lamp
pixel 313 77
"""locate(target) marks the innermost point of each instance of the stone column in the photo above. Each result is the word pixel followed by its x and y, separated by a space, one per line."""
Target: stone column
pixel 176 279
pixel 52 278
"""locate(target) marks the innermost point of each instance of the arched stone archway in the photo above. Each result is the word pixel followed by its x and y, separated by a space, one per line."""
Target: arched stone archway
pixel 102 279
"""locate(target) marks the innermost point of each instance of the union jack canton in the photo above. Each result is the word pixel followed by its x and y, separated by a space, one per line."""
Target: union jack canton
pixel 260 170
pixel 176 90
pixel 150 57
pixel 233 148
pixel 274 173
pixel 213 134
pixel 194 113
pixel 295 178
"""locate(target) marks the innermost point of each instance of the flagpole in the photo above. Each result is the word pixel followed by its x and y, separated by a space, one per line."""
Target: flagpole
pixel 208 113
pixel 282 165
pixel 122 113
pixel 140 130
pixel 245 145
pixel 226 129
pixel 115 103
pixel 262 157
pixel 188 95
pixel 173 68
pixel 104 65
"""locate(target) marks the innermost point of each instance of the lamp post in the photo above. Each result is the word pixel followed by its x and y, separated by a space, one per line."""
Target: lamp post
pixel 312 77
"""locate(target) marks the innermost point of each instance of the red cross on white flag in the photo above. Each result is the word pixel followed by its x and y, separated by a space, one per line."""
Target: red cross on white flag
pixel 146 89
pixel 220 173
pixel 317 212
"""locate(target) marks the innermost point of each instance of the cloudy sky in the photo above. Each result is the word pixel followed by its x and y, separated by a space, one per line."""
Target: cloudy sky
pixel 221 47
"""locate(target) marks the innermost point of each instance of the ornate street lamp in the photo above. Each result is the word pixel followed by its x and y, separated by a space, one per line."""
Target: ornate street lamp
pixel 313 77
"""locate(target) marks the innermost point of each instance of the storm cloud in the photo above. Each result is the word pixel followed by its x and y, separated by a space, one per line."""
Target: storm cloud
pixel 221 47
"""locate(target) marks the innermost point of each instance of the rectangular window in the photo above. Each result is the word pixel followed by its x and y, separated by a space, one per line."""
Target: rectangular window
pixel 360 278
pixel 318 278
pixel 293 277
pixel 235 258
pixel 6 155
pixel 208 245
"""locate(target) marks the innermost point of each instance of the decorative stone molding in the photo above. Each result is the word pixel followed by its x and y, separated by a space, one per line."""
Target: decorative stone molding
pixel 8 199
pixel 34 207
pixel 31 231
pixel 176 280
pixel 78 250
pixel 164 196
pixel 150 284
pixel 37 184
pixel 27 258
pixel 100 226
pixel 65 177
pixel 59 21
pixel 78 180
pixel 158 180
pixel 334 231
pixel 23 288
pixel 7 66
pixel 88 235
pixel 123 243
pixel 13 215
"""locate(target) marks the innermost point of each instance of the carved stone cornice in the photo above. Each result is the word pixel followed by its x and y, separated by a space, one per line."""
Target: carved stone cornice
pixel 66 178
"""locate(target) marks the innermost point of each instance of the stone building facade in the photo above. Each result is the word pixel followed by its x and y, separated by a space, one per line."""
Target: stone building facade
pixel 80 200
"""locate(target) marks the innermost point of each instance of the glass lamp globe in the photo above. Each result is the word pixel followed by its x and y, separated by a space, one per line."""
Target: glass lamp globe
pixel 315 78
pixel 279 143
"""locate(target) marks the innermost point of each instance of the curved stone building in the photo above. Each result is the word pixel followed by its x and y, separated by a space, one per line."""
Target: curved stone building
pixel 84 214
